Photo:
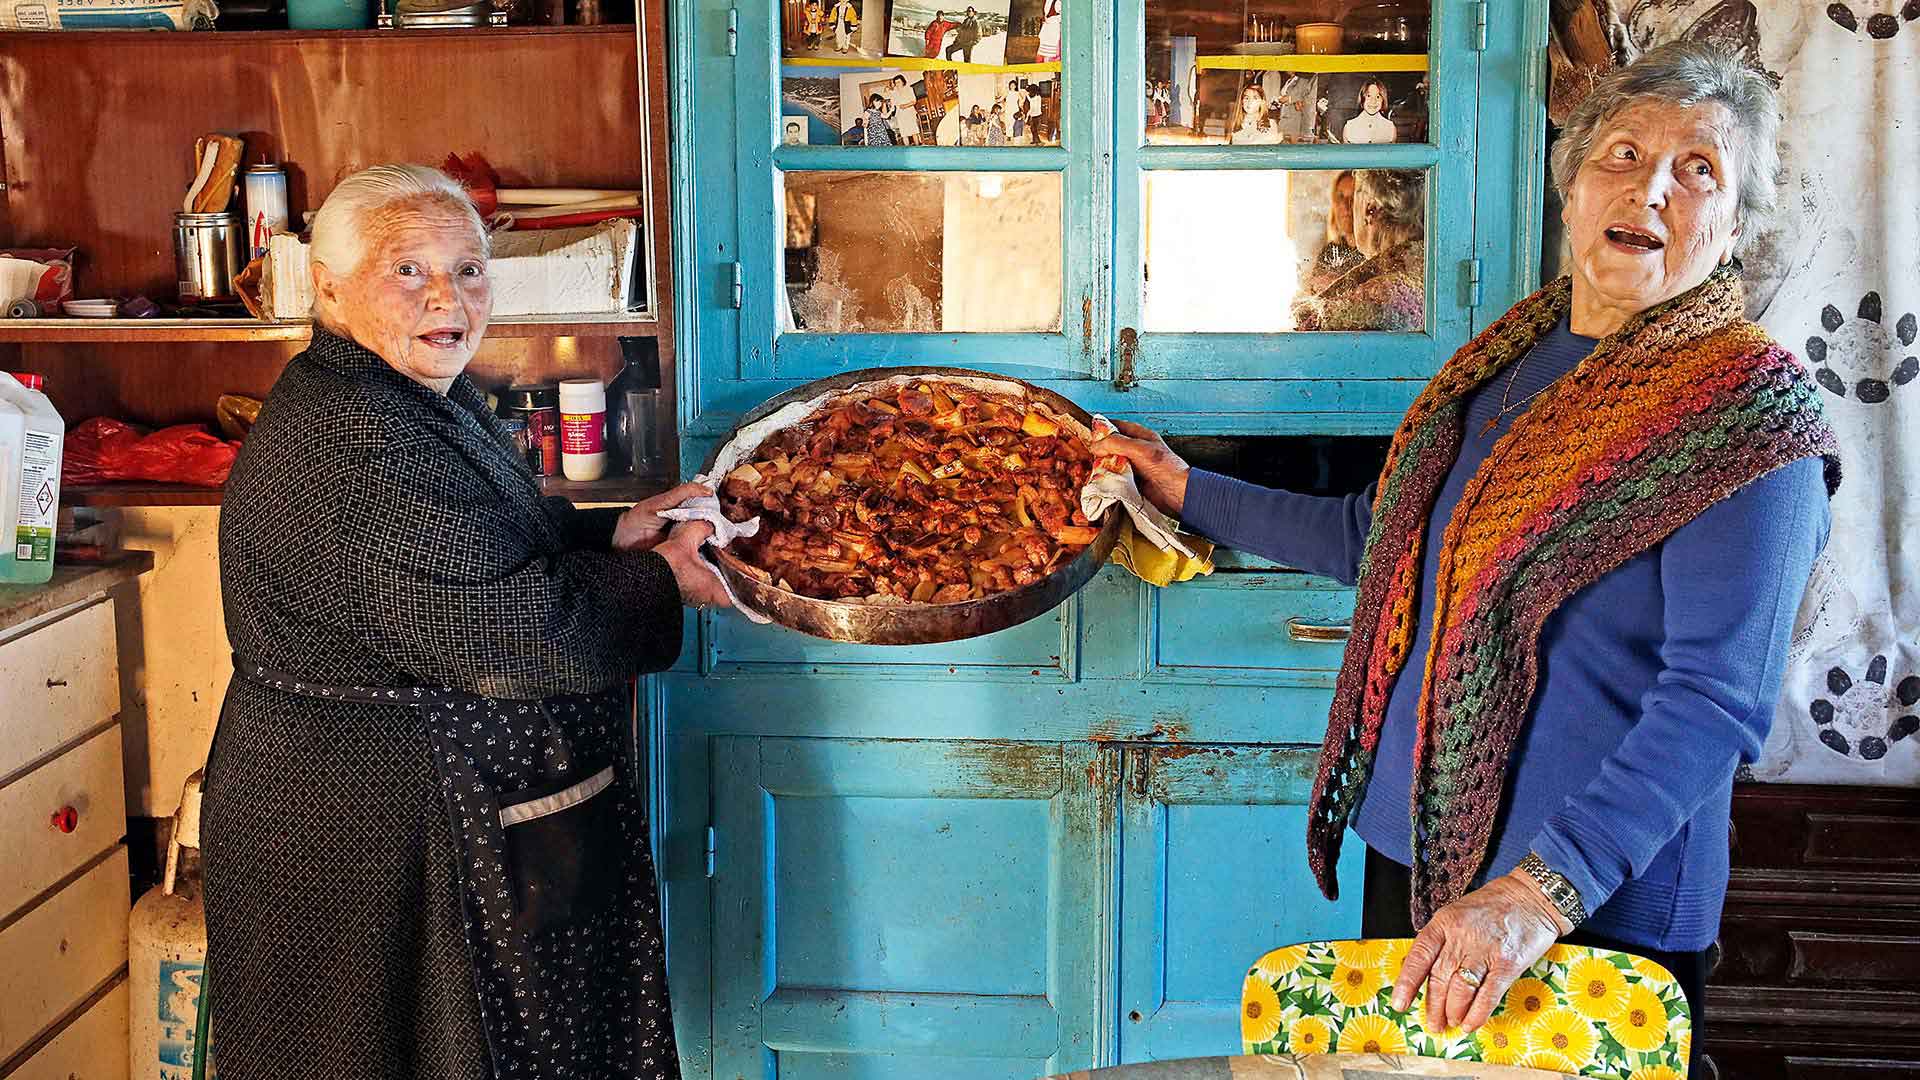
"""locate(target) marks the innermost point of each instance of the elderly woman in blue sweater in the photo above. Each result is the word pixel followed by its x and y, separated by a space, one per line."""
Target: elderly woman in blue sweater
pixel 1577 575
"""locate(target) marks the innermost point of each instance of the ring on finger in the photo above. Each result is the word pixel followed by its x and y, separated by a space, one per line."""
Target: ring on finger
pixel 1471 977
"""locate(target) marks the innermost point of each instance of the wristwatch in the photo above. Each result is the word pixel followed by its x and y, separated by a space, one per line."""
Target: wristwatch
pixel 1558 889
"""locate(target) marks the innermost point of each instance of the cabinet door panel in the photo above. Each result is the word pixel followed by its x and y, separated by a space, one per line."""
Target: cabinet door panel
pixel 1213 874
pixel 889 908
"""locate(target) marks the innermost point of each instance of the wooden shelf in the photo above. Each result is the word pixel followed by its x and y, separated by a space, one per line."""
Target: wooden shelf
pixel 919 63
pixel 138 495
pixel 199 38
pixel 1316 63
pixel 146 331
pixel 613 489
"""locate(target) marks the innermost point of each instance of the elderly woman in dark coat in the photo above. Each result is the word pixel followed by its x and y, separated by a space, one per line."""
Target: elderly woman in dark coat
pixel 426 848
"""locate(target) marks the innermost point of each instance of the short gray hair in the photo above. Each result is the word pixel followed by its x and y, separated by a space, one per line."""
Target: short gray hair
pixel 1687 73
pixel 340 225
pixel 1402 196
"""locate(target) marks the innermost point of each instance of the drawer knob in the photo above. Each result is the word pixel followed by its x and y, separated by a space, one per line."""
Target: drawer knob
pixel 66 819
pixel 1305 631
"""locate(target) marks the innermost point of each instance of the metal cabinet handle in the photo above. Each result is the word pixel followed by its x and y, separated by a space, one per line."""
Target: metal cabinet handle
pixel 1302 631
pixel 1123 377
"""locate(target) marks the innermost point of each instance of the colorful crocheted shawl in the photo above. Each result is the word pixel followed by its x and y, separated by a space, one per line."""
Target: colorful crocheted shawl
pixel 1678 409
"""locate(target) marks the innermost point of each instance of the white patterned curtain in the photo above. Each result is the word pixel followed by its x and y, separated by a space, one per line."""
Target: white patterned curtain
pixel 1836 279
pixel 1839 282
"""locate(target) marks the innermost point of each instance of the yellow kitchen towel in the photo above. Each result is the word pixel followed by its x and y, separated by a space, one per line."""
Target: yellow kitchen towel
pixel 1151 544
pixel 1156 566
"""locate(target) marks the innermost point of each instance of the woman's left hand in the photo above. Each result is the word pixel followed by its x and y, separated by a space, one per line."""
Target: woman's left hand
pixel 1474 949
pixel 641 527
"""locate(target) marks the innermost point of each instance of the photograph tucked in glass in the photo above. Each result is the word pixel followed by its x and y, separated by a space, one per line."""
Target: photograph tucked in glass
pixel 993 33
pixel 1271 251
pixel 1265 72
pixel 907 107
pixel 985 73
pixel 920 252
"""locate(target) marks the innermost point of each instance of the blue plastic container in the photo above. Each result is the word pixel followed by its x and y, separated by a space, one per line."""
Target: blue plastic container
pixel 330 14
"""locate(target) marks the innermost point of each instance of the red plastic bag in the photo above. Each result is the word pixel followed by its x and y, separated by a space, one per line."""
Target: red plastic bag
pixel 182 454
pixel 94 448
pixel 102 451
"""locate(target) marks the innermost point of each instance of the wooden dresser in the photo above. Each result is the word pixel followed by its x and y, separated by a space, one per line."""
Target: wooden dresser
pixel 1819 977
pixel 63 857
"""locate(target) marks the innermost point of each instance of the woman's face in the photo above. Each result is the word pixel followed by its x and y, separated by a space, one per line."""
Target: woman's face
pixel 1651 210
pixel 1252 104
pixel 420 297
pixel 1375 99
pixel 1369 222
pixel 1343 207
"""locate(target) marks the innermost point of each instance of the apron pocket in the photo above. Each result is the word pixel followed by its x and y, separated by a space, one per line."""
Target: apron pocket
pixel 563 849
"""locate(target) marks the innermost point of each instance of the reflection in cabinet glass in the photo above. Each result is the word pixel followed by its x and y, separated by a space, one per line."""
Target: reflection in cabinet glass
pixel 1268 251
pixel 921 252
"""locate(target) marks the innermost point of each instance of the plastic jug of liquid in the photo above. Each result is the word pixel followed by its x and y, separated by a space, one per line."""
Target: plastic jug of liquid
pixel 31 437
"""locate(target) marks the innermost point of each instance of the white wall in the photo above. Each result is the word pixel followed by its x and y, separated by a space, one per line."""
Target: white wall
pixel 175 660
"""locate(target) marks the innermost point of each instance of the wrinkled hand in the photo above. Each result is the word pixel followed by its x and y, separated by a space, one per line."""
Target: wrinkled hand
pixel 1161 473
pixel 1497 932
pixel 699 585
pixel 641 527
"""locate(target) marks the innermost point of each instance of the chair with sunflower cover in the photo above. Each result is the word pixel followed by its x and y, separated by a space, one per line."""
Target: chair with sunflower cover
pixel 1580 1011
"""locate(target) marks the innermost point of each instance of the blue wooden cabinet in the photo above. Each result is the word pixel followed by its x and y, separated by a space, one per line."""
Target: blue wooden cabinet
pixel 1060 845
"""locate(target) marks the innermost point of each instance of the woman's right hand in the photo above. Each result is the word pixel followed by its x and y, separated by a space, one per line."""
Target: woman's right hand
pixel 699 583
pixel 1161 472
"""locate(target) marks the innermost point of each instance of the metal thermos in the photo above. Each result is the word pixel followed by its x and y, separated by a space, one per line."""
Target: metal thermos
pixel 208 250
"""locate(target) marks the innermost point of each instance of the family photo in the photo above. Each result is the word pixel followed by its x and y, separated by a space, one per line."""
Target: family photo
pixel 975 33
pixel 833 29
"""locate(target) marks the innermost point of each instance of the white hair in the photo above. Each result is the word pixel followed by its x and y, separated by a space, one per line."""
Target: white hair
pixel 1687 73
pixel 340 225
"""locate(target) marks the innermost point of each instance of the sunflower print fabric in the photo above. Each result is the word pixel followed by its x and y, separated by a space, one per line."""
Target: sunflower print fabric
pixel 1579 1011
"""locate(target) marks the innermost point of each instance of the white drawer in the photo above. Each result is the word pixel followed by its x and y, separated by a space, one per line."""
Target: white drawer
pixel 93 1047
pixel 57 681
pixel 33 852
pixel 55 956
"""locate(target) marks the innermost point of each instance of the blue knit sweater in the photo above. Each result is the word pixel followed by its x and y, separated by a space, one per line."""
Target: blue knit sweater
pixel 1655 682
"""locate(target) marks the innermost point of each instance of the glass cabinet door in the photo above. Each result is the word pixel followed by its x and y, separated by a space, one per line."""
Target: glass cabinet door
pixel 923 185
pixel 1282 206
pixel 1171 193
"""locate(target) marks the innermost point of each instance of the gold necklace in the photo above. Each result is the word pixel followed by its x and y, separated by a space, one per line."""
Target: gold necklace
pixel 1508 392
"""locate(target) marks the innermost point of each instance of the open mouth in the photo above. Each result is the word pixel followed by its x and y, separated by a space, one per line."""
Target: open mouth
pixel 1634 239
pixel 444 339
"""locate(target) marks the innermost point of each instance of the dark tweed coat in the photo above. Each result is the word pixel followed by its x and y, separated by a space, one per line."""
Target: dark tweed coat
pixel 372 913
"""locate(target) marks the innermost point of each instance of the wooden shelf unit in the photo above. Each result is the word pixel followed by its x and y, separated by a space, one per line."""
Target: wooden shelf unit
pixel 612 489
pixel 195 39
pixel 102 171
pixel 1317 63
pixel 152 331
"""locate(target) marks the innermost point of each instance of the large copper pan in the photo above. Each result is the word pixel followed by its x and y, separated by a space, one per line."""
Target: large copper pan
pixel 912 624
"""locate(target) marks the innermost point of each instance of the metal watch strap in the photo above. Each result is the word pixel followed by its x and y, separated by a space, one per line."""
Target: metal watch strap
pixel 1558 889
